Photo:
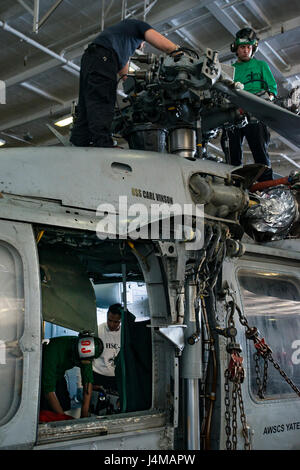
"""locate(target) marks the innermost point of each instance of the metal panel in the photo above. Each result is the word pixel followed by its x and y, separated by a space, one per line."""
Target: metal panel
pixel 149 439
pixel 110 173
pixel 131 431
pixel 20 431
pixel 272 422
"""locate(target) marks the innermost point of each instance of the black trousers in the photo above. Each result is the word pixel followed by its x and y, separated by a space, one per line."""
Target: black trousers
pixel 108 382
pixel 258 139
pixel 97 96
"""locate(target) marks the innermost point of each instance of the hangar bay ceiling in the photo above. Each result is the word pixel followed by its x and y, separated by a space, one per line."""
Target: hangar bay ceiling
pixel 43 40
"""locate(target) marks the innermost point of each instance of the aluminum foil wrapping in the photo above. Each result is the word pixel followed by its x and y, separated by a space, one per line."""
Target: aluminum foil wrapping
pixel 275 212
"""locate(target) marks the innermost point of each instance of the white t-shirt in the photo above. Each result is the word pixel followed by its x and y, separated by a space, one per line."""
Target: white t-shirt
pixel 104 364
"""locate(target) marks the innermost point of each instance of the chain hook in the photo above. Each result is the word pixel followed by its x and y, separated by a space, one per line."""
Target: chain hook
pixel 235 374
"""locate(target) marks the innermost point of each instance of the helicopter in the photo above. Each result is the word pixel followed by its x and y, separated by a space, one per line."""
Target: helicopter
pixel 211 357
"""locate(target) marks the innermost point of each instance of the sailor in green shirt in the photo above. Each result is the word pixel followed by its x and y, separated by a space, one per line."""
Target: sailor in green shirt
pixel 59 355
pixel 257 78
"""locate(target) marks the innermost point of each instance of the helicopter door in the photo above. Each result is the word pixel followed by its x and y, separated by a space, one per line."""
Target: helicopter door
pixel 20 330
pixel 267 294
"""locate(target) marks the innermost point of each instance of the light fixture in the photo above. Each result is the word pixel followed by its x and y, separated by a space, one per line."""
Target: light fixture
pixel 269 274
pixel 2 142
pixel 66 121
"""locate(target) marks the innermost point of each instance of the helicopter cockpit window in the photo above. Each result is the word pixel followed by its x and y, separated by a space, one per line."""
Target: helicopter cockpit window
pixel 272 304
pixel 11 331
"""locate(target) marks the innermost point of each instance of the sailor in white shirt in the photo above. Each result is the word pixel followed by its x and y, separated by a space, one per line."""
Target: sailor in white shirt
pixel 110 334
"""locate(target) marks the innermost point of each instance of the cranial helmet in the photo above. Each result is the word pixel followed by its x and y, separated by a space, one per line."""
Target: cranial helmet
pixel 89 347
pixel 245 36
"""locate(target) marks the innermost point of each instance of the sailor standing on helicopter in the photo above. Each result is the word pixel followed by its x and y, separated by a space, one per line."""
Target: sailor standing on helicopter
pixel 257 78
pixel 105 58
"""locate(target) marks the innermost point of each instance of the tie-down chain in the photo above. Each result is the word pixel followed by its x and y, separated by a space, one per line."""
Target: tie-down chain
pixel 235 374
pixel 262 350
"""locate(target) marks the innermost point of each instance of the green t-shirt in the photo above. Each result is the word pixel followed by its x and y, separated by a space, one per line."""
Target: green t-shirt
pixel 255 75
pixel 58 356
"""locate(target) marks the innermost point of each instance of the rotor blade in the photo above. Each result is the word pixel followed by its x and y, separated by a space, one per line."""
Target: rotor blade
pixel 279 119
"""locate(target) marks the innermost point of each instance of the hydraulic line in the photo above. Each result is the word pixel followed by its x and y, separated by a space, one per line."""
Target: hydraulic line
pixel 267 184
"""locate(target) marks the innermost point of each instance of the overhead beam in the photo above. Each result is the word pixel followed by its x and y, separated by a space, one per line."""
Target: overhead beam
pixel 31 72
pixel 25 119
pixel 231 26
pixel 182 32
pixel 275 30
pixel 27 7
pixel 285 141
pixel 36 14
pixel 223 18
pixel 41 92
pixel 257 11
pixel 49 12
pixel 279 29
pixel 33 43
pixel 294 70
pixel 166 14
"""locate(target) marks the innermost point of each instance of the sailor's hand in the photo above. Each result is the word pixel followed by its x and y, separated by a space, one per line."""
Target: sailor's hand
pixel 267 96
pixel 123 77
pixel 183 51
pixel 176 54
